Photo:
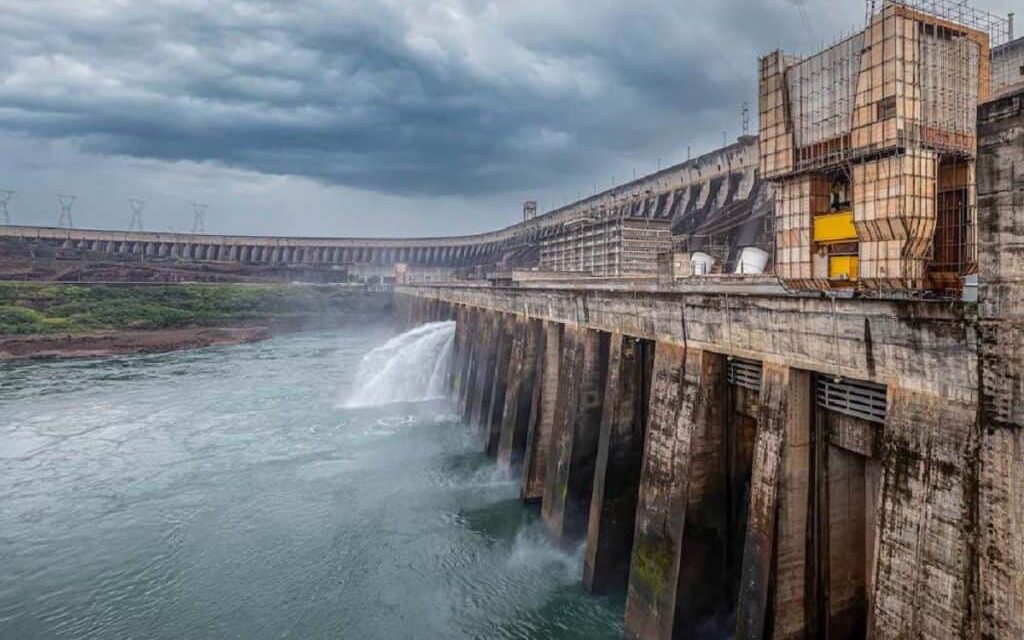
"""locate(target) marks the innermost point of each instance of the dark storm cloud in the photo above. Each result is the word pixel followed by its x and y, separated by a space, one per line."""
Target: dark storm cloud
pixel 410 97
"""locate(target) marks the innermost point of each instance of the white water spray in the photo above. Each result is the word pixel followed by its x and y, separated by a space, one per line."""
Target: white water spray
pixel 412 367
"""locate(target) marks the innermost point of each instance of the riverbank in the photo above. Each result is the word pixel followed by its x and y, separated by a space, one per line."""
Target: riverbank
pixel 68 321
pixel 93 345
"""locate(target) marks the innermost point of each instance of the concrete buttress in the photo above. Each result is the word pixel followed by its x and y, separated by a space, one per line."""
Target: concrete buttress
pixel 542 412
pixel 522 378
pixel 661 507
pixel 570 473
pixel 619 459
pixel 493 416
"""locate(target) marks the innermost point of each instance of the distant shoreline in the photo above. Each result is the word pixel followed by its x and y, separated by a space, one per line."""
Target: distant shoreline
pixel 47 321
pixel 115 343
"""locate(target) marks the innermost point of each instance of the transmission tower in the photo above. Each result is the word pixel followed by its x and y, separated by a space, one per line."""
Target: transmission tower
pixel 5 198
pixel 66 201
pixel 137 206
pixel 199 217
pixel 745 112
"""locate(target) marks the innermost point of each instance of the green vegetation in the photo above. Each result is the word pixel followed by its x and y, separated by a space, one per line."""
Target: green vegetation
pixel 44 308
pixel 652 562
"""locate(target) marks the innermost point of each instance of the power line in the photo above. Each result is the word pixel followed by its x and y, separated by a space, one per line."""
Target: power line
pixel 806 20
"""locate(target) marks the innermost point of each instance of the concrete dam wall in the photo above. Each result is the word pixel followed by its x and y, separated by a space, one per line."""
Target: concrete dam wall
pixel 771 465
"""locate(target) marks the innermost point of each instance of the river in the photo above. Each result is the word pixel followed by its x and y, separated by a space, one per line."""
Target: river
pixel 303 487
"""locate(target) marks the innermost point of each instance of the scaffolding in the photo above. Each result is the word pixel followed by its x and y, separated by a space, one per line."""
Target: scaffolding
pixel 871 143
pixel 996 27
pixel 1008 68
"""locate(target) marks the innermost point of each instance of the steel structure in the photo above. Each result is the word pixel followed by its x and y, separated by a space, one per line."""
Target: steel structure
pixel 66 202
pixel 199 217
pixel 136 206
pixel 5 199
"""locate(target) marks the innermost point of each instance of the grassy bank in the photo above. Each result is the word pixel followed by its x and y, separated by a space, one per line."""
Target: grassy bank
pixel 28 309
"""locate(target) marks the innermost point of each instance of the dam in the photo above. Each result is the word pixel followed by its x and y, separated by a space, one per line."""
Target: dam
pixel 759 462
pixel 775 391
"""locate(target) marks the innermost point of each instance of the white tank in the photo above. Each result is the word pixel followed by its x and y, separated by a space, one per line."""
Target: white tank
pixel 701 263
pixel 752 261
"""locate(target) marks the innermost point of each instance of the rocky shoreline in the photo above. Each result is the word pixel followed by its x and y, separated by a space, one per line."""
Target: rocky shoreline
pixel 112 343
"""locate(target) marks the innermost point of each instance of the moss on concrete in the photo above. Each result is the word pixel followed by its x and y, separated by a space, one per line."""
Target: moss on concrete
pixel 652 563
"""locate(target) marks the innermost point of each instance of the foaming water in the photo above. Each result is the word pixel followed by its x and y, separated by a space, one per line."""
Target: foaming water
pixel 225 493
pixel 412 367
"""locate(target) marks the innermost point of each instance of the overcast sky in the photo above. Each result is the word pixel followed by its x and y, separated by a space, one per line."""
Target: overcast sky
pixel 371 117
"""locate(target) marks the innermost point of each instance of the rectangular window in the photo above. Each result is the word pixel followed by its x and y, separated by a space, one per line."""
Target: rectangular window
pixel 887 108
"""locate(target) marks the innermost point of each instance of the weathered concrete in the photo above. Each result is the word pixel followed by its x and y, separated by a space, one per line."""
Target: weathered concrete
pixel 661 508
pixel 522 379
pixel 542 413
pixel 927 346
pixel 703 602
pixel 1000 434
pixel 793 515
pixel 494 414
pixel 486 362
pixel 780 460
pixel 569 483
pixel 619 460
pixel 924 573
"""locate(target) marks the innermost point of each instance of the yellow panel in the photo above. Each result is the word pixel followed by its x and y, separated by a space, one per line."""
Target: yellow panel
pixel 843 267
pixel 834 227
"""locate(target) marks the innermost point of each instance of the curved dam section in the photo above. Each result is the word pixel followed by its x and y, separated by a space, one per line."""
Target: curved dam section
pixel 685 195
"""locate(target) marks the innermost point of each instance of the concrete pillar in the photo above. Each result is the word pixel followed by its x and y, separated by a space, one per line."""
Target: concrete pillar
pixel 923 579
pixel 619 459
pixel 496 411
pixel 1001 362
pixel 542 413
pixel 569 485
pixel 479 400
pixel 456 372
pixel 470 351
pixel 773 583
pixel 522 378
pixel 683 401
